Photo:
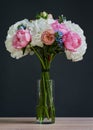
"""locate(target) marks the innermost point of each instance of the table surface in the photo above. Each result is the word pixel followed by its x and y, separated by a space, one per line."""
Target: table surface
pixel 60 124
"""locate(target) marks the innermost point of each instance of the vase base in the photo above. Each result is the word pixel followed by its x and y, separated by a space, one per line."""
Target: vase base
pixel 45 121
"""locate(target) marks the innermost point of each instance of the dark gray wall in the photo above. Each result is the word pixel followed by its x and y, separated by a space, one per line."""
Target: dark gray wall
pixel 73 81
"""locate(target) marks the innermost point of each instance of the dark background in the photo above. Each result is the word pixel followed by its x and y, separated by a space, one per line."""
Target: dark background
pixel 73 81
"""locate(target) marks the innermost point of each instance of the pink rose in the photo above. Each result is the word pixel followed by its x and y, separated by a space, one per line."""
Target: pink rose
pixel 59 27
pixel 48 37
pixel 71 41
pixel 21 38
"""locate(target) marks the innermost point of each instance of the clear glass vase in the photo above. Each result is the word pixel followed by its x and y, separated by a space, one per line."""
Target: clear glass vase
pixel 45 110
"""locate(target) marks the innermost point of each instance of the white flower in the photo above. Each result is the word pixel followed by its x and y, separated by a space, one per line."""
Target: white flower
pixel 50 16
pixel 37 28
pixel 16 53
pixel 78 55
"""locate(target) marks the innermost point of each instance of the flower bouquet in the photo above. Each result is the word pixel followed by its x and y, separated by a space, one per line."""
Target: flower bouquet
pixel 46 37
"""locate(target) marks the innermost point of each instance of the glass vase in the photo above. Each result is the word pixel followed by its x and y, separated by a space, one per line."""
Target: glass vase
pixel 45 110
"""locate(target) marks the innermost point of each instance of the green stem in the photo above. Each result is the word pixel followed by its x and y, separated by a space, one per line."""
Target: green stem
pixel 46 105
pixel 41 60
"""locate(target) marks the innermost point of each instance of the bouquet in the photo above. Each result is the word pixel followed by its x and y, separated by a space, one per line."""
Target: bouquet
pixel 46 37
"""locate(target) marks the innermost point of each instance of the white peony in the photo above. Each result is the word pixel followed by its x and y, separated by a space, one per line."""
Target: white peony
pixel 78 55
pixel 37 28
pixel 16 53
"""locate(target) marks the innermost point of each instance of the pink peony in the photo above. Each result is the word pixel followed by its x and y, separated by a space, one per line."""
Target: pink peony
pixel 71 41
pixel 59 27
pixel 48 37
pixel 21 38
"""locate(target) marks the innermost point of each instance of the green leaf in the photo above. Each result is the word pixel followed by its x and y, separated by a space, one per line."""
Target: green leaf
pixel 61 19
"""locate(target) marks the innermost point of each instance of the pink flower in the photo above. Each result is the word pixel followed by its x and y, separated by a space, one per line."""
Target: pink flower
pixel 48 37
pixel 21 39
pixel 71 41
pixel 59 27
